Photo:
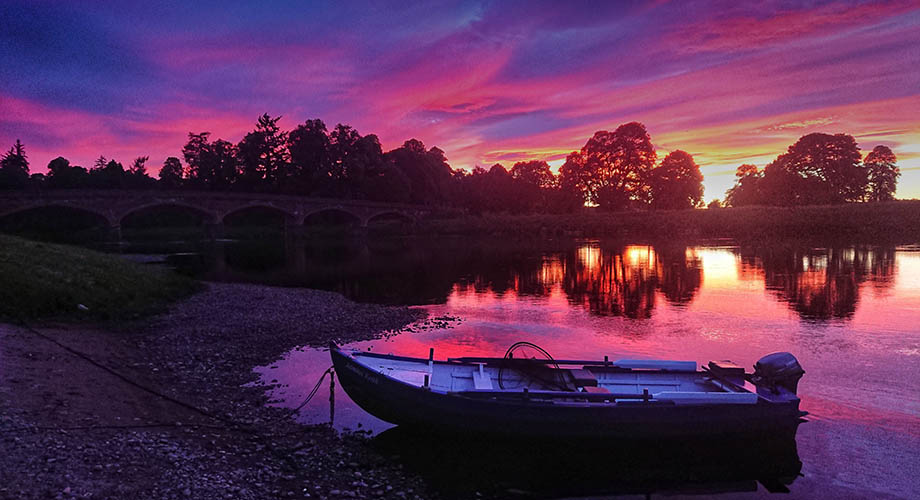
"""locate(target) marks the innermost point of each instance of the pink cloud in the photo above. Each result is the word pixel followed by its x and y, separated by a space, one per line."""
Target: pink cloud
pixel 82 136
pixel 735 32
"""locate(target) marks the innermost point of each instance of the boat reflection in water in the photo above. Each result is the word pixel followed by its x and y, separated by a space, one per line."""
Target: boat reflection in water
pixel 460 466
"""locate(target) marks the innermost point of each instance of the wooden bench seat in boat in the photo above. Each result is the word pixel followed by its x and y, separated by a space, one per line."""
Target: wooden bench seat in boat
pixel 582 378
pixel 481 380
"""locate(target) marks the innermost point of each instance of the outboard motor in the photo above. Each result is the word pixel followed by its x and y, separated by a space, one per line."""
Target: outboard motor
pixel 778 369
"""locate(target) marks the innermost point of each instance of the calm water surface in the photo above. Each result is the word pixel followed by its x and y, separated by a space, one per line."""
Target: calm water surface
pixel 850 314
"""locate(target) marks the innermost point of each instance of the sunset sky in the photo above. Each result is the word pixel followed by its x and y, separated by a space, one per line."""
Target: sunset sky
pixel 487 82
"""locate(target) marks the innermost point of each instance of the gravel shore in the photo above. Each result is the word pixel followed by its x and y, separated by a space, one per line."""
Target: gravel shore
pixel 70 429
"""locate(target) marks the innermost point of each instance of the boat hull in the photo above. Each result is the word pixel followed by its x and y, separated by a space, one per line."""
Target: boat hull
pixel 407 405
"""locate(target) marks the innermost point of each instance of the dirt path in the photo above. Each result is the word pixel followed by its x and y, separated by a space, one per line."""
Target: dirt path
pixel 125 442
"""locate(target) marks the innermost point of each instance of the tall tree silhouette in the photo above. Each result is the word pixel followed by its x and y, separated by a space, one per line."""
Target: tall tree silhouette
pixel 818 168
pixel 197 154
pixel 380 179
pixel 263 156
pixel 107 174
pixel 535 173
pixel 533 183
pixel 224 164
pixel 100 163
pixel 309 147
pixel 171 174
pixel 365 162
pixel 428 173
pixel 139 166
pixel 747 188
pixel 677 183
pixel 883 172
pixel 500 191
pixel 62 175
pixel 211 165
pixel 343 145
pixel 14 168
pixel 611 168
pixel 136 177
pixel 471 189
pixel 575 178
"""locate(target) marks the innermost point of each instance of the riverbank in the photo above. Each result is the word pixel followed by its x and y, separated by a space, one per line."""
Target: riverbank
pixel 893 222
pixel 46 280
pixel 125 442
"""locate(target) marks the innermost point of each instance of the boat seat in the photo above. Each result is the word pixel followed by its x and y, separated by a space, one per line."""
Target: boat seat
pixel 582 377
pixel 595 389
pixel 481 380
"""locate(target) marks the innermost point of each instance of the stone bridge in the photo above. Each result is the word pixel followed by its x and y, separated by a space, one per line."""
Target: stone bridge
pixel 114 205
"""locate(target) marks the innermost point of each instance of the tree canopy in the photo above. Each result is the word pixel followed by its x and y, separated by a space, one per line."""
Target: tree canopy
pixel 172 173
pixel 14 167
pixel 677 183
pixel 822 168
pixel 818 169
pixel 263 155
pixel 883 173
pixel 747 188
pixel 427 171
pixel 613 171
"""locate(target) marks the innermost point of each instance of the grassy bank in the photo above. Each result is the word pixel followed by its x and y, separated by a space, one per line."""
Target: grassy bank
pixel 50 281
pixel 892 222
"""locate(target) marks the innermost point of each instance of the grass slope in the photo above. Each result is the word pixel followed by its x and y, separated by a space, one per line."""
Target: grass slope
pixel 45 281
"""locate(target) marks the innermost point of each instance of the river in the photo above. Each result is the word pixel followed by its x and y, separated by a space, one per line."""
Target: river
pixel 850 313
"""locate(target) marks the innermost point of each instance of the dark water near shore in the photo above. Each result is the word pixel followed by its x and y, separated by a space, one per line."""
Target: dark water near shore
pixel 850 313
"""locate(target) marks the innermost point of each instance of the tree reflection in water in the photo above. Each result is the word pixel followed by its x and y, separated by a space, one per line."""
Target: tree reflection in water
pixel 605 278
pixel 820 283
pixel 619 282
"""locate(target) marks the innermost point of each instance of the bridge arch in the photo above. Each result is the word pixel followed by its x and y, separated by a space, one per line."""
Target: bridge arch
pixel 63 222
pixel 207 216
pixel 391 214
pixel 62 204
pixel 335 213
pixel 287 216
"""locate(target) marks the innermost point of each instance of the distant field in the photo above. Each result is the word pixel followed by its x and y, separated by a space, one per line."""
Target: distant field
pixel 891 222
pixel 43 280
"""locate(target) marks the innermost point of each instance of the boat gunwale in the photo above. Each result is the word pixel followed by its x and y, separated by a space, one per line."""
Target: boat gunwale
pixel 492 361
pixel 530 396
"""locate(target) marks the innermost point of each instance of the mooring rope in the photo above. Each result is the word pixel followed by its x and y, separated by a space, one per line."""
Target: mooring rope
pixel 248 427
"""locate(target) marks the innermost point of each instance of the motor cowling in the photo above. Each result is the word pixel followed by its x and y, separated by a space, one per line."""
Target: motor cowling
pixel 779 369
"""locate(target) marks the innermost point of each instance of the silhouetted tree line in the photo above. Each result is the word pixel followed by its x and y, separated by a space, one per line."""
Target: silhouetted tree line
pixel 818 169
pixel 613 170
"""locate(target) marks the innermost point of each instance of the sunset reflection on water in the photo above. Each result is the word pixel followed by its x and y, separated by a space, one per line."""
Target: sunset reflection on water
pixel 849 314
